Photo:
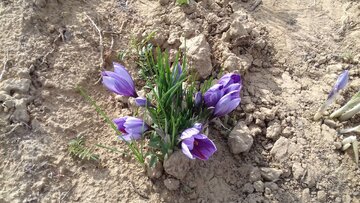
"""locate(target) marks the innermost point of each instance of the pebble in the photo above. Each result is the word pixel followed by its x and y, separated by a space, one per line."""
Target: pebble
pixel 297 170
pixel 305 196
pixel 240 139
pixel 321 196
pixel 280 149
pixel 273 131
pixel 338 145
pixel 259 186
pixel 330 123
pixel 270 174
pixel 248 188
pixel 272 186
pixel 172 183
pixel 254 174
pixel 177 165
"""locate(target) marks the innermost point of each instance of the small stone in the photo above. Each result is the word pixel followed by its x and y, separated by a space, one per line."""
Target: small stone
pixel 248 108
pixel 269 113
pixel 273 131
pixel 259 186
pixel 330 123
pixel 155 171
pixel 305 196
pixel 280 149
pixel 270 174
pixel 240 139
pixel 260 44
pixel 257 62
pixel 272 186
pixel 198 54
pixel 248 188
pixel 254 174
pixel 287 131
pixel 338 145
pixel 297 170
pixel 172 183
pixel 17 85
pixel 321 196
pixel 164 2
pixel 177 165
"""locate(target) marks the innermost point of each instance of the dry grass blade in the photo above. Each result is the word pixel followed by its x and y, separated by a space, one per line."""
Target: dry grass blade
pixel 6 60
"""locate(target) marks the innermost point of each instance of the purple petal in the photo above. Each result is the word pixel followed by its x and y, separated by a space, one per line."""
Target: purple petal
pixel 342 80
pixel 203 148
pixel 130 137
pixel 229 79
pixel 227 103
pixel 340 84
pixel 110 83
pixel 190 132
pixel 198 126
pixel 186 150
pixel 122 85
pixel 233 87
pixel 135 125
pixel 141 101
pixel 120 70
pixel 189 142
pixel 213 95
pixel 198 98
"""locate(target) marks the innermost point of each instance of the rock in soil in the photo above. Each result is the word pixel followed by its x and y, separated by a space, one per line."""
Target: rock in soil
pixel 177 165
pixel 270 174
pixel 273 131
pixel 240 139
pixel 198 53
pixel 172 183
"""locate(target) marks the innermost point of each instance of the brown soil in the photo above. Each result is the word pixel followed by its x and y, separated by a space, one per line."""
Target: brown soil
pixel 290 57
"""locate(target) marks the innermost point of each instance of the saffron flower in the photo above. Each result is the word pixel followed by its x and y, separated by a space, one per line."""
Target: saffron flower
pixel 198 98
pixel 142 101
pixel 224 97
pixel 196 145
pixel 176 73
pixel 131 127
pixel 339 85
pixel 227 103
pixel 119 81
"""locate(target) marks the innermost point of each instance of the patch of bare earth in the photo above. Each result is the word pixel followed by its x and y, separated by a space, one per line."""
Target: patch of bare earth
pixel 288 52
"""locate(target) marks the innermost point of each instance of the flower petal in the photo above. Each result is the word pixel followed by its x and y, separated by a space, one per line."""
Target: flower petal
pixel 233 87
pixel 213 94
pixel 142 101
pixel 186 151
pixel 227 103
pixel 190 132
pixel 120 70
pixel 110 83
pixel 135 125
pixel 229 79
pixel 204 149
pixel 130 137
pixel 122 85
pixel 198 126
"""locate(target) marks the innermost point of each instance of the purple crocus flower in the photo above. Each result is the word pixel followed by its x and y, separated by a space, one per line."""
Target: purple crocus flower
pixel 196 145
pixel 198 98
pixel 227 103
pixel 213 95
pixel 142 101
pixel 224 97
pixel 340 84
pixel 229 79
pixel 177 71
pixel 119 81
pixel 131 127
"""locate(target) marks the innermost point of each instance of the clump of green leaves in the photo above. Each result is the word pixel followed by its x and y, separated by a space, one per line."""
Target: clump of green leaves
pixel 182 2
pixel 77 148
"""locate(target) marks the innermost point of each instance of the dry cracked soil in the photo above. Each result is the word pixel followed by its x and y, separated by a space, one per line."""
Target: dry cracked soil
pixel 289 53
